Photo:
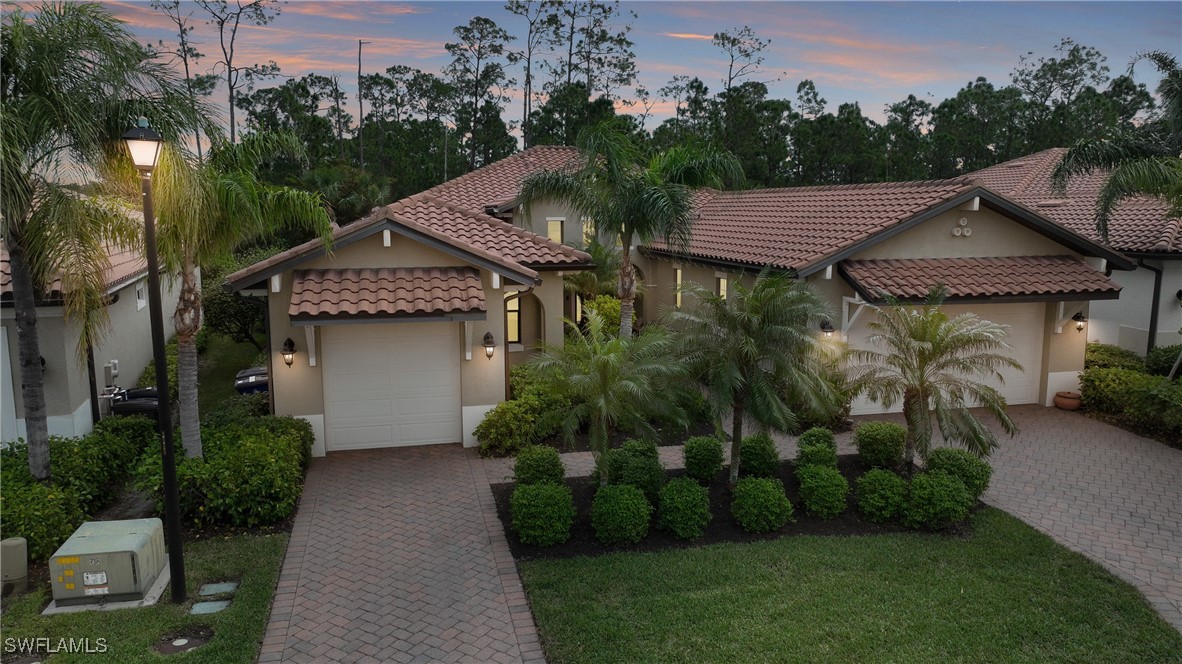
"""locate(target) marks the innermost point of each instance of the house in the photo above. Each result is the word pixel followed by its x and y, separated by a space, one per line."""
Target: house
pixel 404 331
pixel 72 384
pixel 1149 311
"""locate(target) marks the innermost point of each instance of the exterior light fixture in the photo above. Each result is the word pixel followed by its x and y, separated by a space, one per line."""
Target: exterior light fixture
pixel 288 351
pixel 490 345
pixel 1179 296
pixel 144 146
pixel 827 328
pixel 1080 320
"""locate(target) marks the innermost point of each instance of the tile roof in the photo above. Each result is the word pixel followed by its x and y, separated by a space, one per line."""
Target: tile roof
pixel 1138 225
pixel 126 265
pixel 387 292
pixel 795 227
pixel 911 278
pixel 499 182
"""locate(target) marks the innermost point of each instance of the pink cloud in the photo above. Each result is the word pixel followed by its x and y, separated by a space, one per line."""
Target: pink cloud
pixel 688 35
pixel 352 11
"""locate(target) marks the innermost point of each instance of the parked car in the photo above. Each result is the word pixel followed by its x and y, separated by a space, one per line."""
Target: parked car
pixel 254 379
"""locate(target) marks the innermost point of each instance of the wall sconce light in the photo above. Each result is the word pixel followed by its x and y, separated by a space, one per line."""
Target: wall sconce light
pixel 490 345
pixel 827 328
pixel 1179 296
pixel 1080 320
pixel 288 351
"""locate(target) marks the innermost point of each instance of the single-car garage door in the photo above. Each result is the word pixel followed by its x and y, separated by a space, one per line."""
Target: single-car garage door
pixel 390 385
pixel 1026 323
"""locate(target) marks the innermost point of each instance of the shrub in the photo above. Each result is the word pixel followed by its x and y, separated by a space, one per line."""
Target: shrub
pixel 1144 403
pixel 758 456
pixel 608 307
pixel 538 464
pixel 506 428
pixel 521 377
pixel 760 505
pixel 635 463
pixel 936 500
pixel 542 514
pixel 45 515
pixel 703 458
pixel 237 408
pixel 974 472
pixel 880 495
pixel 1108 390
pixel 685 508
pixel 148 375
pixel 815 455
pixel 620 514
pixel 286 425
pixel 817 436
pixel 640 448
pixel 880 444
pixel 1160 360
pixel 1108 356
pixel 823 491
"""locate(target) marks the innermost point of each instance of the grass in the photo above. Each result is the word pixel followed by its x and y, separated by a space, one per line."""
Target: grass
pixel 1006 593
pixel 217 367
pixel 131 634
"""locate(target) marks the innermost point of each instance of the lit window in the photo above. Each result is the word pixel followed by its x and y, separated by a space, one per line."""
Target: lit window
pixel 554 229
pixel 720 286
pixel 512 318
pixel 677 287
pixel 141 295
pixel 578 308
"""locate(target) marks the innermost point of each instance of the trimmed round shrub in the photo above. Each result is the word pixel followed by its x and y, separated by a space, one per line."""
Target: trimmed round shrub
pixel 703 458
pixel 815 455
pixel 936 500
pixel 817 436
pixel 620 514
pixel 620 457
pixel 823 491
pixel 640 448
pixel 880 444
pixel 506 428
pixel 538 464
pixel 962 465
pixel 644 473
pixel 542 514
pixel 1160 360
pixel 759 504
pixel 880 495
pixel 758 456
pixel 685 508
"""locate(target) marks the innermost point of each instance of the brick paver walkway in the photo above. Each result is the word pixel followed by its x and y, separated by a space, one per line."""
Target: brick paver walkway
pixel 397 556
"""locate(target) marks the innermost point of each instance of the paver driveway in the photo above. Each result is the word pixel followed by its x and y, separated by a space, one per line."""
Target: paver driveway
pixel 397 556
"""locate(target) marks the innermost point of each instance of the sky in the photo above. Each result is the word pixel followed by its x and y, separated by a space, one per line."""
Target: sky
pixel 875 53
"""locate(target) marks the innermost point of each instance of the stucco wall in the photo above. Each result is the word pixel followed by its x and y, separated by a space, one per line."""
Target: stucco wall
pixel 1125 322
pixel 572 227
pixel 992 235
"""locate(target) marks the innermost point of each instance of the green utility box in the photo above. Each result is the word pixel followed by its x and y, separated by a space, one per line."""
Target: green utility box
pixel 108 561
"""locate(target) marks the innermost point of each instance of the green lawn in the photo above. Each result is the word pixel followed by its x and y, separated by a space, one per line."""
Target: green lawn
pixel 130 634
pixel 1007 593
pixel 219 363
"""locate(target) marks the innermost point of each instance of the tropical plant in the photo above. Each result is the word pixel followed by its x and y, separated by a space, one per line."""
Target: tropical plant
pixel 615 383
pixel 630 200
pixel 755 352
pixel 934 364
pixel 72 80
pixel 590 284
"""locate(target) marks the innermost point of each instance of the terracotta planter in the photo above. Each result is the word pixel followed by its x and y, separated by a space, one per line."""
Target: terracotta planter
pixel 1067 400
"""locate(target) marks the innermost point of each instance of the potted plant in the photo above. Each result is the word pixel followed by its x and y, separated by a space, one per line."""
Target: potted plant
pixel 1067 400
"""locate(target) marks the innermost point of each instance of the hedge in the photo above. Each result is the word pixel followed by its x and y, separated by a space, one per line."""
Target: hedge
pixel 1160 360
pixel 1109 356
pixel 1144 403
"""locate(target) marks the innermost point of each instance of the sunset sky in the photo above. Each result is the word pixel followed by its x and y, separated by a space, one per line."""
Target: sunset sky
pixel 875 53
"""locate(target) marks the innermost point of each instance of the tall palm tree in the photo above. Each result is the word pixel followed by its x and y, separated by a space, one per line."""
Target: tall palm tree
pixel 934 363
pixel 631 200
pixel 756 352
pixel 72 79
pixel 617 383
pixel 589 284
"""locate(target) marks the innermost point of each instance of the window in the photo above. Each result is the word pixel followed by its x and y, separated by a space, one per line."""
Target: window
pixel 554 229
pixel 578 308
pixel 720 287
pixel 141 295
pixel 677 287
pixel 512 318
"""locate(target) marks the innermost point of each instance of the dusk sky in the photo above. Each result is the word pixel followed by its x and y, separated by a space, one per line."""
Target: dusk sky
pixel 875 53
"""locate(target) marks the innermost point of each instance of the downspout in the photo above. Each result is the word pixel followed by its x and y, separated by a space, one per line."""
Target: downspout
pixel 505 331
pixel 94 403
pixel 1156 306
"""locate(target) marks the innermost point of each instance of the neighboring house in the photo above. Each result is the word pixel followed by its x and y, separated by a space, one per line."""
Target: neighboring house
pixel 1149 311
pixel 72 384
pixel 388 326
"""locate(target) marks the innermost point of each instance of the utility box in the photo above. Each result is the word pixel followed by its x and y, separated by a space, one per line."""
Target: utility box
pixel 108 561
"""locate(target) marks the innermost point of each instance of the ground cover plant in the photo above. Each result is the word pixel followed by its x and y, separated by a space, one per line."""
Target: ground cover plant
pixel 1003 593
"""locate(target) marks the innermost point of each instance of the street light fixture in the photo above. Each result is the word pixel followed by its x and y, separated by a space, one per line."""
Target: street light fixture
pixel 145 146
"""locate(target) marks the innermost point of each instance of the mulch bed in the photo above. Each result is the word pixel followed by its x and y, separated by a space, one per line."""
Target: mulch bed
pixel 722 527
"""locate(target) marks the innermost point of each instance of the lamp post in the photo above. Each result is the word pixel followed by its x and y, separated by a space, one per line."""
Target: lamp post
pixel 144 146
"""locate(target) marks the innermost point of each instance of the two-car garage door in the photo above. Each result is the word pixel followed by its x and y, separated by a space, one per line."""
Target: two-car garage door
pixel 391 385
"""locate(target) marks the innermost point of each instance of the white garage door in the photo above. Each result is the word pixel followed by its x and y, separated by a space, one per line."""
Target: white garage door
pixel 391 385
pixel 1026 322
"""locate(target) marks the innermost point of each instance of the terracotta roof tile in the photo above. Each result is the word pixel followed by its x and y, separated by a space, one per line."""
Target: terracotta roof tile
pixel 911 278
pixel 499 182
pixel 393 292
pixel 795 227
pixel 1138 225
pixel 126 265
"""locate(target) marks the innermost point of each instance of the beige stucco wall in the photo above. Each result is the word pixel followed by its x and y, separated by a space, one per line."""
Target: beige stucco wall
pixel 572 227
pixel 992 235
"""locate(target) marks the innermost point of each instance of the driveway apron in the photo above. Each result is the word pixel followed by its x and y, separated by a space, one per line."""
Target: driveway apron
pixel 396 555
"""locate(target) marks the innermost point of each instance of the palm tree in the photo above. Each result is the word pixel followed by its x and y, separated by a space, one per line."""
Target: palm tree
pixel 72 78
pixel 615 382
pixel 630 200
pixel 756 352
pixel 590 284
pixel 933 363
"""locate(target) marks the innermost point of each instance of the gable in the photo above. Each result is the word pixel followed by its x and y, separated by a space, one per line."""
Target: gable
pixel 372 252
pixel 990 234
